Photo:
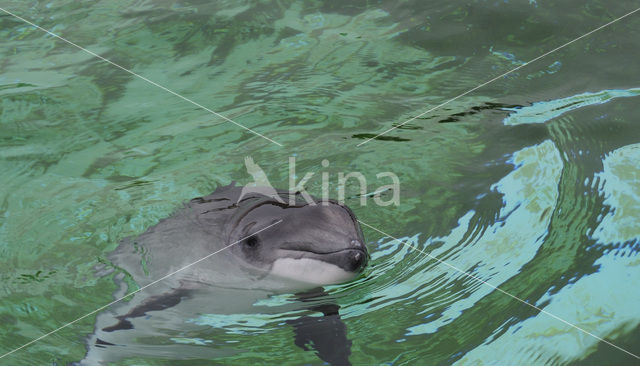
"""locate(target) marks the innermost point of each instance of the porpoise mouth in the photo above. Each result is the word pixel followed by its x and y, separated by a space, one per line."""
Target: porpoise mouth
pixel 349 259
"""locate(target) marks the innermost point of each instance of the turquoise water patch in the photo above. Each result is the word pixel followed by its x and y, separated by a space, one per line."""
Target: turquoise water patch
pixel 498 253
pixel 541 112
pixel 620 181
pixel 587 302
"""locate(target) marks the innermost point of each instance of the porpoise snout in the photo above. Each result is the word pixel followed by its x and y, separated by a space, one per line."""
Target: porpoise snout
pixel 357 257
pixel 357 260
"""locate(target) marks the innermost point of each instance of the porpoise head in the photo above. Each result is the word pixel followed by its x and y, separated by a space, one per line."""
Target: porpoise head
pixel 317 244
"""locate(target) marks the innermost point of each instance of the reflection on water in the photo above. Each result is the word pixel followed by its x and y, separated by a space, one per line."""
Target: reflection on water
pixel 588 300
pixel 534 187
pixel 541 112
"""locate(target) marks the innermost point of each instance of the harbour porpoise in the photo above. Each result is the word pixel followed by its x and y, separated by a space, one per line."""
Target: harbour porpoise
pixel 265 244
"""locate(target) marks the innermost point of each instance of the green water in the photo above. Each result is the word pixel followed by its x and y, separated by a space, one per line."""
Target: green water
pixel 530 183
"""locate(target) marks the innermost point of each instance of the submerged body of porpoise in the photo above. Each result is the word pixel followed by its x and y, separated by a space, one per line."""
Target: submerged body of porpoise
pixel 263 245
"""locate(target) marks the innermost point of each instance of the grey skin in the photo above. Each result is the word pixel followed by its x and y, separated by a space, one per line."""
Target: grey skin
pixel 325 238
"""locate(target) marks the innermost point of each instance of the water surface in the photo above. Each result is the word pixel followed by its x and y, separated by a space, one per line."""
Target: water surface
pixel 530 183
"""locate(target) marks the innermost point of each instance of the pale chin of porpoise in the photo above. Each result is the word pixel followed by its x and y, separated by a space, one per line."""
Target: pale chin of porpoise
pixel 310 271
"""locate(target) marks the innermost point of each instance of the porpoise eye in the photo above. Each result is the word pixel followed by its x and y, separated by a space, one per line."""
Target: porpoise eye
pixel 251 242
